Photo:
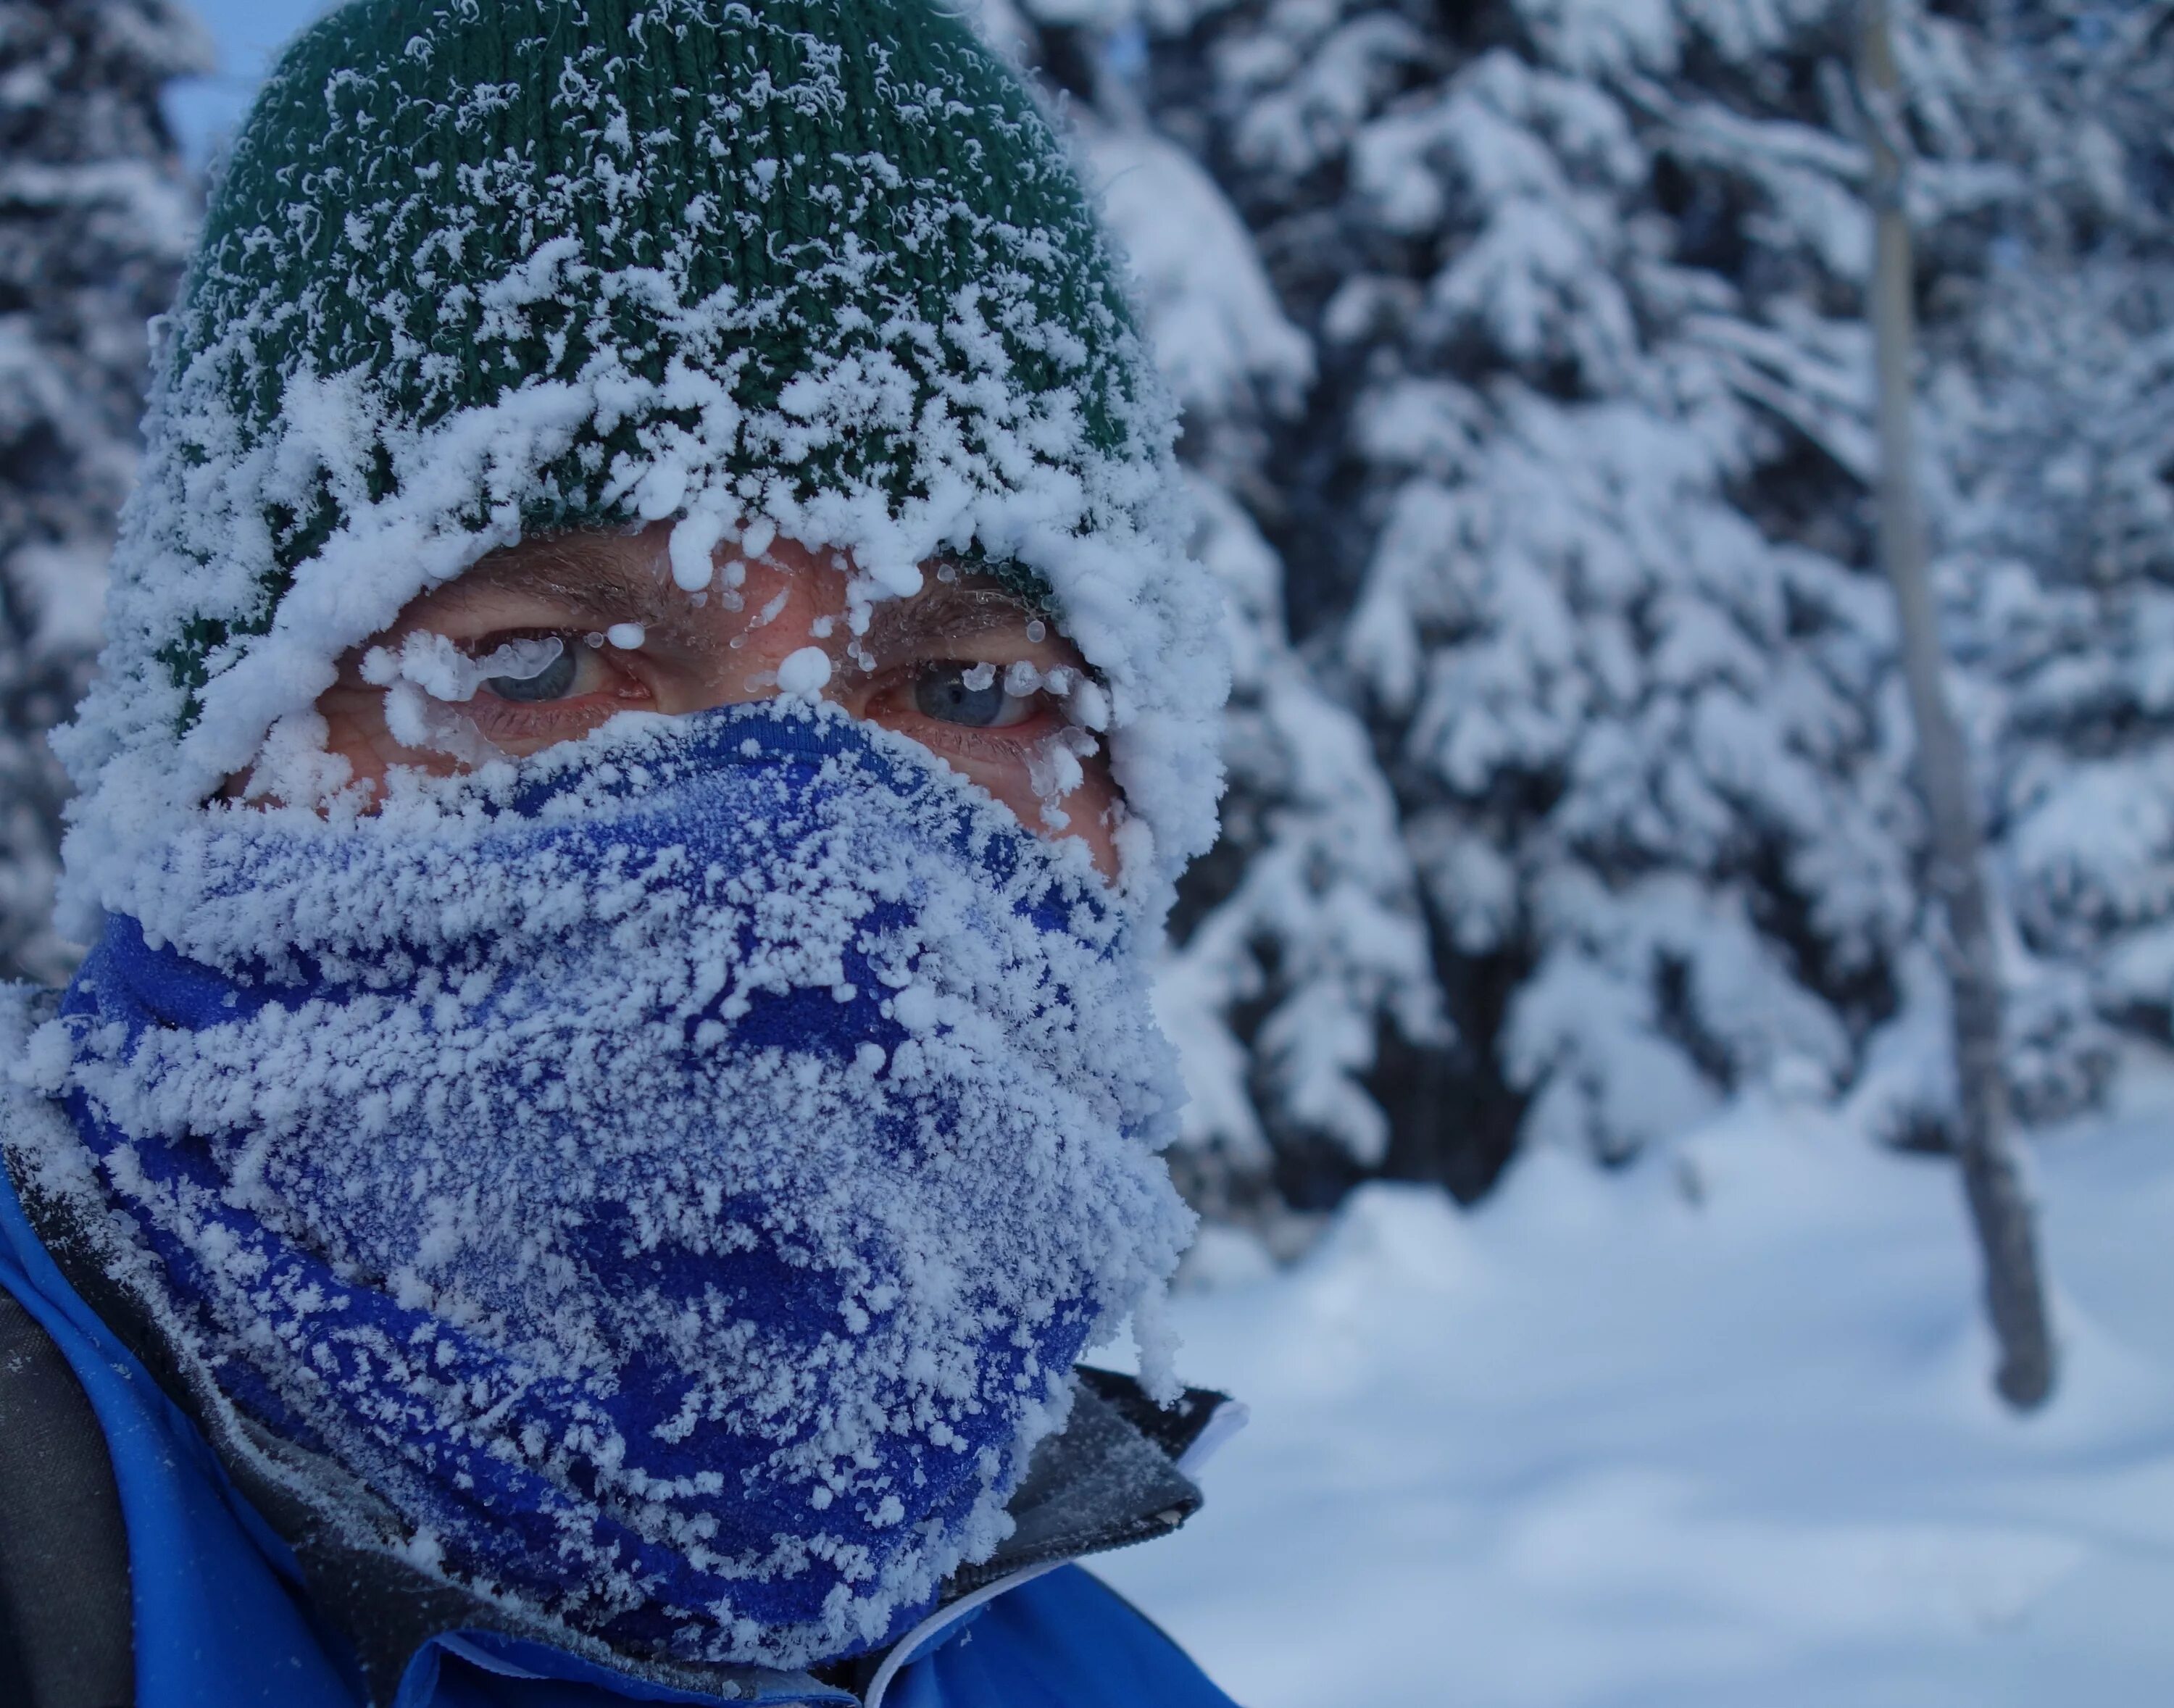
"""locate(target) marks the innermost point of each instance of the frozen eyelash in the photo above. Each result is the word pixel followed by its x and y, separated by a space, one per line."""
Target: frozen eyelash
pixel 432 663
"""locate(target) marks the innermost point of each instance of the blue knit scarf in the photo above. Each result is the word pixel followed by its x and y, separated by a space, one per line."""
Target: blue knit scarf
pixel 678 1173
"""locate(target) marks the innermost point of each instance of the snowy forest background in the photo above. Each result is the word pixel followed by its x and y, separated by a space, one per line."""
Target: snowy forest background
pixel 1528 397
pixel 1572 862
pixel 1528 390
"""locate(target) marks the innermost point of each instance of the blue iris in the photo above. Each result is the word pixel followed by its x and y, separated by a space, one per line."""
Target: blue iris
pixel 945 693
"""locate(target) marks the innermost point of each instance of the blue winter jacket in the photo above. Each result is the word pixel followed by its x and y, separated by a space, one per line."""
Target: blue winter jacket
pixel 226 1614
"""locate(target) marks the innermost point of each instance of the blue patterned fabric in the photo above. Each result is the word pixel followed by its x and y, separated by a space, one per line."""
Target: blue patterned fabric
pixel 679 1181
pixel 222 1621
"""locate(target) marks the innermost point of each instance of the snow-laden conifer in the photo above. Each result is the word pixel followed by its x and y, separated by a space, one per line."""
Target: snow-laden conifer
pixel 1297 949
pixel 1575 518
pixel 1593 434
pixel 2051 392
pixel 94 218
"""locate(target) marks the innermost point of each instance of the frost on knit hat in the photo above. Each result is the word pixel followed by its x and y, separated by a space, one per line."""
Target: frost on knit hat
pixel 815 267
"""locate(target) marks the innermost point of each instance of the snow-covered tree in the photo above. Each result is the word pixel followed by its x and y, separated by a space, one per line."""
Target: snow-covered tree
pixel 1297 953
pixel 1592 552
pixel 1545 453
pixel 2053 391
pixel 1298 942
pixel 95 216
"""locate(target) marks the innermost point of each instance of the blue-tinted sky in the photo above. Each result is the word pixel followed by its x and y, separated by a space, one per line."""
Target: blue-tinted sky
pixel 248 32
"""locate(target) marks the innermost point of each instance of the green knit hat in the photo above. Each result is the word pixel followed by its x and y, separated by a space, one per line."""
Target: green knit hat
pixel 480 270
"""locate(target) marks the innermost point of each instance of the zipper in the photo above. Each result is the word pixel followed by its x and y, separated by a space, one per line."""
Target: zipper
pixel 1226 1420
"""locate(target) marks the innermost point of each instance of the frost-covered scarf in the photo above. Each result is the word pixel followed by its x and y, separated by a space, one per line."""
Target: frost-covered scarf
pixel 677 1172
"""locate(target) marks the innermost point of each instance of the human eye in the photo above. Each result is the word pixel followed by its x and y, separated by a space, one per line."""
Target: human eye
pixel 972 695
pixel 529 688
pixel 547 671
pixel 540 669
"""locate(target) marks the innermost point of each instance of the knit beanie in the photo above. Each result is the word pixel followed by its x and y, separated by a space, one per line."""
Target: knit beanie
pixel 482 268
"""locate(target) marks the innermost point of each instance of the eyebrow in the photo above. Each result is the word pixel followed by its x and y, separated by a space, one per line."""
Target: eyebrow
pixel 603 584
pixel 949 610
pixel 605 587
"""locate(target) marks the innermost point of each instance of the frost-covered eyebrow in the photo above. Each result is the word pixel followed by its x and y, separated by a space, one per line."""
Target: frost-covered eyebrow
pixel 947 611
pixel 597 578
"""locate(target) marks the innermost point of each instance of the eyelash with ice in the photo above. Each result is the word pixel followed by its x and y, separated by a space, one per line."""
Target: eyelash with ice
pixel 971 705
pixel 555 691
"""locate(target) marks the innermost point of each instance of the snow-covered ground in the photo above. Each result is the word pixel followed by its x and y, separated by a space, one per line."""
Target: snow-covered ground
pixel 1715 1431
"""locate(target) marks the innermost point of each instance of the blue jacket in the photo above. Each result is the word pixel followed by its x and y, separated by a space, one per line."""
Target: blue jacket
pixel 223 1616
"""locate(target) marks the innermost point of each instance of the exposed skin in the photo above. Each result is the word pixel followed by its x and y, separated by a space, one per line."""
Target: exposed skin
pixel 699 650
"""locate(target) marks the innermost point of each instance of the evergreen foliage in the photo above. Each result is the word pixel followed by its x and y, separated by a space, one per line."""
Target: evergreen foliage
pixel 1574 518
pixel 1299 957
pixel 94 218
pixel 2052 391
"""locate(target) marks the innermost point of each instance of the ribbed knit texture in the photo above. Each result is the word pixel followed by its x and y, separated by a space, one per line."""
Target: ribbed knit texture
pixel 461 200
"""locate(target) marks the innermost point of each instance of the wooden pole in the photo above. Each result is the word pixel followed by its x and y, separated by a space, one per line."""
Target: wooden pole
pixel 1999 1206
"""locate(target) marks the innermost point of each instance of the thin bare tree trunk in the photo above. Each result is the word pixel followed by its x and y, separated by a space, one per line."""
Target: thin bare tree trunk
pixel 1999 1206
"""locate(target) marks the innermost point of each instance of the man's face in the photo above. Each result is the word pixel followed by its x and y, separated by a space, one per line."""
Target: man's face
pixel 931 667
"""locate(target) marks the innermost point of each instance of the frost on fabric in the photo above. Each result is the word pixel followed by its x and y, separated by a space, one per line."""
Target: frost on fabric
pixel 698 1153
pixel 979 423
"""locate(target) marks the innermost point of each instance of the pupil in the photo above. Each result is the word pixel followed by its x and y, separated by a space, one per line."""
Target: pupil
pixel 943 693
pixel 550 683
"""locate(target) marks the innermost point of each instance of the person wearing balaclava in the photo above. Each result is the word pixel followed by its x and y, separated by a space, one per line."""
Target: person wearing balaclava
pixel 653 707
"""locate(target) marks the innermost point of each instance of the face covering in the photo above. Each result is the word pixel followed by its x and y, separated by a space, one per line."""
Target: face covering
pixel 677 1172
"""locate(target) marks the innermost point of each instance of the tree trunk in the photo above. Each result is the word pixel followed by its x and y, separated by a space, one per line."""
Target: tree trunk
pixel 1999 1206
